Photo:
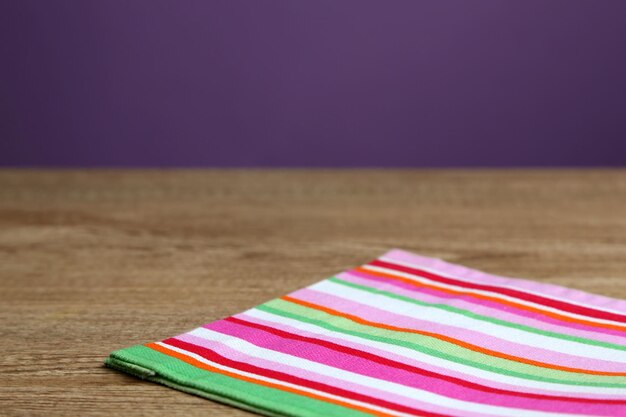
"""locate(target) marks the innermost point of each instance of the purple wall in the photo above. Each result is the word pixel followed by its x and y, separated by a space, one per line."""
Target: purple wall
pixel 312 83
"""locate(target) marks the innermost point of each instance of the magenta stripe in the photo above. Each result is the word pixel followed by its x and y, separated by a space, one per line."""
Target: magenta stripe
pixel 476 306
pixel 496 306
pixel 311 375
pixel 471 275
pixel 358 365
pixel 324 335
pixel 469 336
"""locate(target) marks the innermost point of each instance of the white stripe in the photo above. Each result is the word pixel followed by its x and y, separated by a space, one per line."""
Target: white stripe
pixel 421 279
pixel 309 374
pixel 435 315
pixel 509 286
pixel 278 382
pixel 431 360
pixel 387 386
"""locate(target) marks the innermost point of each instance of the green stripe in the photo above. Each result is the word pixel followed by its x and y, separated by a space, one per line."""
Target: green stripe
pixel 435 347
pixel 157 367
pixel 481 317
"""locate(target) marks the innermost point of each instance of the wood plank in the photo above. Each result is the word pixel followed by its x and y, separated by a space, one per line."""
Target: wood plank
pixel 92 261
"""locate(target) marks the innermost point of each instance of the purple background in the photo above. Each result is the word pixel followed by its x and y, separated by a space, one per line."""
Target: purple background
pixel 312 83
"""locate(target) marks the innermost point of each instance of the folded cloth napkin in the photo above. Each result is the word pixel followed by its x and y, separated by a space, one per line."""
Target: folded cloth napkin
pixel 405 335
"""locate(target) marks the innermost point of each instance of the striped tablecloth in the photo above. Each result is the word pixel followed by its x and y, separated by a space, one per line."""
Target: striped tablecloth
pixel 405 335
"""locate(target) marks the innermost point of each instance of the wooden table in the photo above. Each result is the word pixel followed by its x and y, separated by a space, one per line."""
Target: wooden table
pixel 93 261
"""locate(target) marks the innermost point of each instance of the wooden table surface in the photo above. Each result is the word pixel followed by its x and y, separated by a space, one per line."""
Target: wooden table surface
pixel 93 261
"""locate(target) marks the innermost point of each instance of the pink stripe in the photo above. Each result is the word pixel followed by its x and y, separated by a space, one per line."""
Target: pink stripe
pixel 496 305
pixel 621 336
pixel 423 365
pixel 469 336
pixel 235 355
pixel 473 275
pixel 475 306
pixel 361 366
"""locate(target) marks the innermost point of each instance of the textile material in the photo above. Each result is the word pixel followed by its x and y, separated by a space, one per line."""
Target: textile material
pixel 405 335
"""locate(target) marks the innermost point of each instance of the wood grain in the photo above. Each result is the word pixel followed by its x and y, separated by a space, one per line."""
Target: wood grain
pixel 93 261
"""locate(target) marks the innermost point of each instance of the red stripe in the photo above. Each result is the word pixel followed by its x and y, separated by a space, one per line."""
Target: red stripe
pixel 533 298
pixel 242 366
pixel 418 371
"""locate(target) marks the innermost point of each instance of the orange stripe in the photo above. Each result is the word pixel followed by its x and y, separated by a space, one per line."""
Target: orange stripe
pixel 494 299
pixel 201 365
pixel 448 339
